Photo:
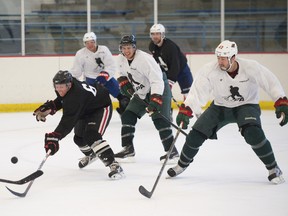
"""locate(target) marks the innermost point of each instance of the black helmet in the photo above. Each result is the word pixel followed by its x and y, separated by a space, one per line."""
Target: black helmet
pixel 62 77
pixel 127 40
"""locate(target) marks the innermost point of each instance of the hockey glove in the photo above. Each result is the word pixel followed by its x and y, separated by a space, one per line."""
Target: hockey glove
pixel 154 104
pixel 126 88
pixel 281 106
pixel 184 114
pixel 45 109
pixel 102 78
pixel 52 142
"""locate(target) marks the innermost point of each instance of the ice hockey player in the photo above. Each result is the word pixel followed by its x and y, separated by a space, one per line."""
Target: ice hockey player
pixel 88 109
pixel 170 58
pixel 234 83
pixel 95 63
pixel 140 74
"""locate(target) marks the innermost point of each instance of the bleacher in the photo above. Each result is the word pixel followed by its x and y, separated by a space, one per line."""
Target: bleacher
pixel 57 28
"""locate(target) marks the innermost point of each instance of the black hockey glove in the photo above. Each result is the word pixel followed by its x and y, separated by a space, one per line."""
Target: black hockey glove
pixel 45 109
pixel 154 104
pixel 126 88
pixel 184 114
pixel 281 106
pixel 52 142
pixel 102 78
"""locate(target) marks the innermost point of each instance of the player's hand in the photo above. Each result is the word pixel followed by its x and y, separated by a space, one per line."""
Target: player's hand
pixel 281 110
pixel 45 109
pixel 126 88
pixel 154 104
pixel 184 114
pixel 102 78
pixel 52 142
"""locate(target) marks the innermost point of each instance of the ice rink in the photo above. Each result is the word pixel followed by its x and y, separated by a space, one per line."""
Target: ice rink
pixel 226 178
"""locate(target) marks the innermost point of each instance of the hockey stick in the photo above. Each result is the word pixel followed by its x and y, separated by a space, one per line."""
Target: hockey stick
pixel 31 177
pixel 31 182
pixel 164 117
pixel 142 189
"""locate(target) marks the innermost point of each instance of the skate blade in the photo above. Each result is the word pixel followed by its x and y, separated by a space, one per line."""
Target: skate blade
pixel 117 176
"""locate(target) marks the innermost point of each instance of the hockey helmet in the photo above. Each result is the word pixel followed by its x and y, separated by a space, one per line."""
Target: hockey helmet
pixel 226 49
pixel 89 36
pixel 158 28
pixel 62 77
pixel 127 40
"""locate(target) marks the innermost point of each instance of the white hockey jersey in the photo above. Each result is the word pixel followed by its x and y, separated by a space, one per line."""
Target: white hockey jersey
pixel 143 73
pixel 90 64
pixel 229 92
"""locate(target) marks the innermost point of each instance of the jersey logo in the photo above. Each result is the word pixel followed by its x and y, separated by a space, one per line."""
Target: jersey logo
pixel 162 64
pixel 235 95
pixel 99 63
pixel 134 82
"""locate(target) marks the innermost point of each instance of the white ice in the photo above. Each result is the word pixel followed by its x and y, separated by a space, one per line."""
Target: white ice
pixel 226 178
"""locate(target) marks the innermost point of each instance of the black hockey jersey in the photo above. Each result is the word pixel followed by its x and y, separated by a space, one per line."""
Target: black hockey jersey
pixel 169 57
pixel 80 101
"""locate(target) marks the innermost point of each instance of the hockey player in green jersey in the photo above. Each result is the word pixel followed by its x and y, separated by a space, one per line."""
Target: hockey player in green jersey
pixel 234 84
pixel 140 74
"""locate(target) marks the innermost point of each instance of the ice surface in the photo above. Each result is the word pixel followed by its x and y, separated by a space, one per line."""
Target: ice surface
pixel 226 178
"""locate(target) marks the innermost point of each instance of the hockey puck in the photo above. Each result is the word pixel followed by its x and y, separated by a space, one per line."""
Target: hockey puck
pixel 14 160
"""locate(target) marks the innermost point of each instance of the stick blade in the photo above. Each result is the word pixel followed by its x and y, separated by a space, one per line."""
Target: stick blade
pixel 33 176
pixel 30 178
pixel 16 193
pixel 145 192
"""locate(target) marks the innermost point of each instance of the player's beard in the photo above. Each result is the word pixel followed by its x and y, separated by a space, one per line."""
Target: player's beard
pixel 224 68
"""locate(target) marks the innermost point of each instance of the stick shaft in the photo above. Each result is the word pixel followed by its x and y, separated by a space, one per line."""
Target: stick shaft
pixel 148 194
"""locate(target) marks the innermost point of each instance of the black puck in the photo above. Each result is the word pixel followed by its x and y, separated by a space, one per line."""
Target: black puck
pixel 14 160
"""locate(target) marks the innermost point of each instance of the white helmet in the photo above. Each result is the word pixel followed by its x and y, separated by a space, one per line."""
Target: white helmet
pixel 89 36
pixel 226 49
pixel 158 28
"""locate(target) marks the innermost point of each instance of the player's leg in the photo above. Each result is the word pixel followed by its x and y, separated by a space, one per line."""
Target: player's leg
pixel 163 127
pixel 134 110
pixel 205 127
pixel 250 126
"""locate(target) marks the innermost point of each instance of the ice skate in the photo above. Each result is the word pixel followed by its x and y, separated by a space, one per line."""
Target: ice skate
pixel 116 171
pixel 87 160
pixel 173 157
pixel 127 154
pixel 174 171
pixel 275 176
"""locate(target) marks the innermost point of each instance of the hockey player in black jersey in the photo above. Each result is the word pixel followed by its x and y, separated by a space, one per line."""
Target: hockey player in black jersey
pixel 170 58
pixel 88 109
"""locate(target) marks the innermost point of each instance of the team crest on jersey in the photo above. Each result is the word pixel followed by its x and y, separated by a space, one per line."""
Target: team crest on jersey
pixel 134 82
pixel 235 95
pixel 99 63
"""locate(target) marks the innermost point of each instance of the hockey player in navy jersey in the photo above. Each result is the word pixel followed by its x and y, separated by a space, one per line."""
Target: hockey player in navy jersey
pixel 170 58
pixel 234 84
pixel 87 108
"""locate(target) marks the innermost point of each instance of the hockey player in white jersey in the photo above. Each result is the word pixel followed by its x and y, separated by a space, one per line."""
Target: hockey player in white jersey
pixel 140 74
pixel 234 84
pixel 95 63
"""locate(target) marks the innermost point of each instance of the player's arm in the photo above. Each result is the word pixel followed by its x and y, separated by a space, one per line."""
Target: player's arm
pixel 49 107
